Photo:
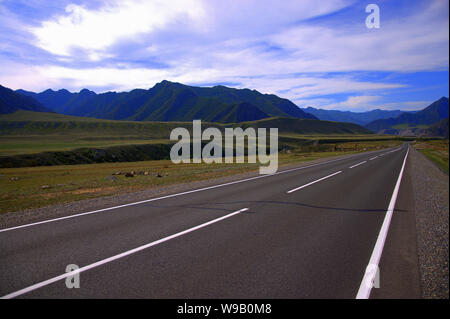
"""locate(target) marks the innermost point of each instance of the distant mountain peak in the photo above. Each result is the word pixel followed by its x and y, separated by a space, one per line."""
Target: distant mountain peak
pixel 86 91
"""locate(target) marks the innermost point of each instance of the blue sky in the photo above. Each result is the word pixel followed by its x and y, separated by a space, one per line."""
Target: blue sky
pixel 315 53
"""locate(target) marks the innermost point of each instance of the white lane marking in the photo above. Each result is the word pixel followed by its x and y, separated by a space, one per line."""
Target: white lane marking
pixel 373 158
pixel 173 195
pixel 309 184
pixel 113 258
pixel 358 164
pixel 369 275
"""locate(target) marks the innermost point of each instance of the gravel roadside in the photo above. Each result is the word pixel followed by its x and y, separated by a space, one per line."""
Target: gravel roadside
pixel 431 195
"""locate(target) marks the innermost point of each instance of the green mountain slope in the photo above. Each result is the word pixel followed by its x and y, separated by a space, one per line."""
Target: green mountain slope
pixel 168 101
pixel 305 126
pixel 436 130
pixel 32 123
pixel 11 102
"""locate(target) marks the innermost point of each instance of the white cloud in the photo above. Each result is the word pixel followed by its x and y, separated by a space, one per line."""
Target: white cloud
pixel 119 20
pixel 358 103
pixel 292 87
pixel 405 44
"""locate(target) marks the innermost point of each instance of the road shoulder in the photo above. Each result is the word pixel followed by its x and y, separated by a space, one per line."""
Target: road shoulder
pixel 431 190
pixel 415 260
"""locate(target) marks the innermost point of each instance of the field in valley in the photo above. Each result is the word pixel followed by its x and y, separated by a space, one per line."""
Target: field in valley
pixel 435 150
pixel 101 149
pixel 32 187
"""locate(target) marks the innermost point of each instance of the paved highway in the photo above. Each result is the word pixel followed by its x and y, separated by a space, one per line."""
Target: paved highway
pixel 308 232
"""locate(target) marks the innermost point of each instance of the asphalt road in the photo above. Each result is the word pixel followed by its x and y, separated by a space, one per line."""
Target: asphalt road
pixel 302 233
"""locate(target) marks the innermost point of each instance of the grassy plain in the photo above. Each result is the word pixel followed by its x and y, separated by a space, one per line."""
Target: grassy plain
pixel 435 150
pixel 32 187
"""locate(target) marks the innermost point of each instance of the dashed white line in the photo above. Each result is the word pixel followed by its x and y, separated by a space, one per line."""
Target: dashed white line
pixel 358 164
pixel 113 258
pixel 309 184
pixel 373 158
pixel 372 267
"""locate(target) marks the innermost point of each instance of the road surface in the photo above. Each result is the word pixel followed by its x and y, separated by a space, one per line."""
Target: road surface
pixel 308 232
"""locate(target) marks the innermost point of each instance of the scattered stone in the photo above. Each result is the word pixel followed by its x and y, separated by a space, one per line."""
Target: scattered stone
pixel 45 187
pixel 146 173
pixel 129 174
pixel 60 185
pixel 158 175
pixel 133 172
pixel 14 179
pixel 112 178
pixel 118 173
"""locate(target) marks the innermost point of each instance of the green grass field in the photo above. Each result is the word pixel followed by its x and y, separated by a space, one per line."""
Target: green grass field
pixel 435 150
pixel 17 145
pixel 26 132
pixel 33 132
pixel 406 126
pixel 32 187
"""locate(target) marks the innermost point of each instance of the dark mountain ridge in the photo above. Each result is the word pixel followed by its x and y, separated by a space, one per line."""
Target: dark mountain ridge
pixel 169 101
pixel 11 102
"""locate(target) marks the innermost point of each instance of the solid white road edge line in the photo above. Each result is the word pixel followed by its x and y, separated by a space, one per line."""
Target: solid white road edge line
pixel 173 195
pixel 358 164
pixel 316 181
pixel 372 268
pixel 113 258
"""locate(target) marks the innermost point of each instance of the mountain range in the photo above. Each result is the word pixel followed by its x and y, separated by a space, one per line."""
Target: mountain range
pixel 432 114
pixel 11 102
pixel 361 118
pixel 169 101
